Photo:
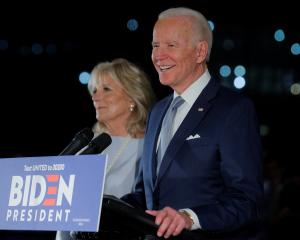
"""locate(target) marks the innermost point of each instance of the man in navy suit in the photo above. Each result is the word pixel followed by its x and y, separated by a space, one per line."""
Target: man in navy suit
pixel 210 174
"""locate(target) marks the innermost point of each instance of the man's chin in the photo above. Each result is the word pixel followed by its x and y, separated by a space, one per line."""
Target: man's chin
pixel 165 81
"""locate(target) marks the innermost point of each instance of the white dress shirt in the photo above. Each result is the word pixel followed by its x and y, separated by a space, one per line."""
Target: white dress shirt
pixel 190 95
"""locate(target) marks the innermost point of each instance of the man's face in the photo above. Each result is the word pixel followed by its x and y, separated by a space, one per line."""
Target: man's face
pixel 175 52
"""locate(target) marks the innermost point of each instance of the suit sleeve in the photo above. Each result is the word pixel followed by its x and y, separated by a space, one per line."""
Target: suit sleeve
pixel 137 197
pixel 240 167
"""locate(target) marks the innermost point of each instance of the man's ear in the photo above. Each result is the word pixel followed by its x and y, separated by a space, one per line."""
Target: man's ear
pixel 202 51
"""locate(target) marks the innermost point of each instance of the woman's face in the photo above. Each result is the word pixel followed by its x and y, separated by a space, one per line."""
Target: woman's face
pixel 111 103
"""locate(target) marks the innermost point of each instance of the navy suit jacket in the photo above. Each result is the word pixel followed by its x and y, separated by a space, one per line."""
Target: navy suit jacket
pixel 217 175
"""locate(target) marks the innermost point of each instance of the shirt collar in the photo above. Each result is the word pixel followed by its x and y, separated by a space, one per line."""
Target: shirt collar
pixel 193 91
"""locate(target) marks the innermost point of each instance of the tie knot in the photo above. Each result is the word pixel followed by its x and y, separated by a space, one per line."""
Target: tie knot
pixel 176 103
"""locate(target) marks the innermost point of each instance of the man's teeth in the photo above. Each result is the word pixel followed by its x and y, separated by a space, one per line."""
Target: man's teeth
pixel 163 68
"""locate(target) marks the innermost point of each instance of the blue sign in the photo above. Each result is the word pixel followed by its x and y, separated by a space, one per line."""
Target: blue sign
pixel 52 193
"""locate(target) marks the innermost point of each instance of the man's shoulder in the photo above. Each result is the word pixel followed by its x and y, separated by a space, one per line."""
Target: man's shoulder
pixel 227 98
pixel 232 95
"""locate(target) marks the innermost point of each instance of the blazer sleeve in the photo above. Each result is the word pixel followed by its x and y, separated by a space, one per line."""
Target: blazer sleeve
pixel 240 167
pixel 137 197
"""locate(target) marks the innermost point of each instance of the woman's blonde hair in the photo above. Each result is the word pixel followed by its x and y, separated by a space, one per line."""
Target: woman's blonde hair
pixel 135 83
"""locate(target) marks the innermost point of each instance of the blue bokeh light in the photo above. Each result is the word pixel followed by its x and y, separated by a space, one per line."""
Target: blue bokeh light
pixel 225 71
pixel 279 35
pixel 84 77
pixel 132 24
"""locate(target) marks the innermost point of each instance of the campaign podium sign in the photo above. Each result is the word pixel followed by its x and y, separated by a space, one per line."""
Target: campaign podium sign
pixel 52 193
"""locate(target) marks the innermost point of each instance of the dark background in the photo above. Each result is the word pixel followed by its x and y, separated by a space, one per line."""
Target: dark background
pixel 43 104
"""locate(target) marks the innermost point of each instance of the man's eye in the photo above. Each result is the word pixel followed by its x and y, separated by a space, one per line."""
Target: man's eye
pixel 106 89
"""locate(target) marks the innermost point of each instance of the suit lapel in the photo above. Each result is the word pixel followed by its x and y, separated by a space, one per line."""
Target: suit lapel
pixel 191 121
pixel 152 134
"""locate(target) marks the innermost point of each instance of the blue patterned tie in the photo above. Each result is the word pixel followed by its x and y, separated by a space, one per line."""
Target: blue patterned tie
pixel 166 130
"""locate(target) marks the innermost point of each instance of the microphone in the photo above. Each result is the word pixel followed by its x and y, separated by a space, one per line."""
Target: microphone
pixel 80 140
pixel 97 145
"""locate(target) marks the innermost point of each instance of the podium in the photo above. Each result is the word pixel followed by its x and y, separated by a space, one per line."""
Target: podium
pixel 121 218
pixel 121 221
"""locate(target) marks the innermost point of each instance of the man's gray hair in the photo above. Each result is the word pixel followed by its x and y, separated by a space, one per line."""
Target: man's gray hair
pixel 204 30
